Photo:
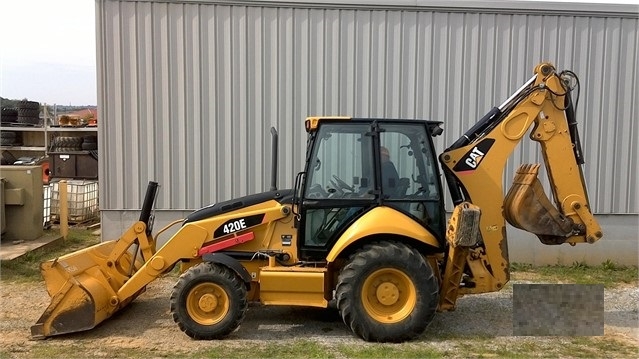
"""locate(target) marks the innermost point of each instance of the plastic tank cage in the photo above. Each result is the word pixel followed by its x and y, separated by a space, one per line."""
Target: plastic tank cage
pixel 82 199
pixel 46 222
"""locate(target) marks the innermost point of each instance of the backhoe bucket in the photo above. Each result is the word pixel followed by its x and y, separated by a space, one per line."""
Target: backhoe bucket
pixel 83 288
pixel 527 207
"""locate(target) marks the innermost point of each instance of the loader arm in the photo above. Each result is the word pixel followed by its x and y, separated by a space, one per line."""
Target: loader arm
pixel 474 167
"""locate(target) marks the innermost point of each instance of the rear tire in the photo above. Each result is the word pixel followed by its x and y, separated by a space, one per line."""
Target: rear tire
pixel 387 293
pixel 208 301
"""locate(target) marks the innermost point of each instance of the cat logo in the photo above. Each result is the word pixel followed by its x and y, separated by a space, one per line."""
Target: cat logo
pixel 473 158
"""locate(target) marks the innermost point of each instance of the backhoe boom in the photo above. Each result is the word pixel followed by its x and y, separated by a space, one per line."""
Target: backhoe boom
pixel 474 164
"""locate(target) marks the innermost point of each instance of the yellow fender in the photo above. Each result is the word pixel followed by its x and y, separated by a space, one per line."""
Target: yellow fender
pixel 382 220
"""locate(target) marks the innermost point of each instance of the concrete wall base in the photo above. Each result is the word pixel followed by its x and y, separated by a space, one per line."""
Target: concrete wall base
pixel 620 244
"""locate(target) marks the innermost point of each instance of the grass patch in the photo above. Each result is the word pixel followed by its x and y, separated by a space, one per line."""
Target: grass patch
pixel 27 267
pixel 295 349
pixel 608 273
pixel 461 347
pixel 54 350
pixel 579 347
pixel 405 350
pixel 218 349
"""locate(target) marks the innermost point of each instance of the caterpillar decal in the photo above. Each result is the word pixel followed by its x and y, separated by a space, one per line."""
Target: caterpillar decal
pixel 473 158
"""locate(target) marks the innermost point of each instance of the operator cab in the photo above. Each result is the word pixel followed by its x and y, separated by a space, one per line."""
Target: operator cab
pixel 354 165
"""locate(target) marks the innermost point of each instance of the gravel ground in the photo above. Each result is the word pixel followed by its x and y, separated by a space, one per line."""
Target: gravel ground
pixel 147 323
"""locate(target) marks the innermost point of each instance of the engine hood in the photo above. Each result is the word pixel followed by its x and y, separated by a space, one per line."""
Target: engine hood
pixel 282 196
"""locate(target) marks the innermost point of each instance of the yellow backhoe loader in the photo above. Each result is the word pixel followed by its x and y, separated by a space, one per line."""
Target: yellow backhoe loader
pixel 364 226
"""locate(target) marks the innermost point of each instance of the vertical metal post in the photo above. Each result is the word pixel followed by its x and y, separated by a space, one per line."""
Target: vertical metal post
pixel 64 210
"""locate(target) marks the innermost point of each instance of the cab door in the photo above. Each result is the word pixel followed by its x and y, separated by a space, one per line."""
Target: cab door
pixel 410 177
pixel 339 184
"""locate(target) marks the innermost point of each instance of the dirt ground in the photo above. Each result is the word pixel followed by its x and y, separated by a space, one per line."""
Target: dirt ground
pixel 147 323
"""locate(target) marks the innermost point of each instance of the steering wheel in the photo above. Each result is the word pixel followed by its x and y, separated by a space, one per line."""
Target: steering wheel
pixel 316 191
pixel 343 184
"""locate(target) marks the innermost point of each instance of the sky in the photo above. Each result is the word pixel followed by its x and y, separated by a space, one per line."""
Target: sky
pixel 47 50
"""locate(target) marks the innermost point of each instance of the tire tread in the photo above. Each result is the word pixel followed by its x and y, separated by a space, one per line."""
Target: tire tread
pixel 348 301
pixel 208 271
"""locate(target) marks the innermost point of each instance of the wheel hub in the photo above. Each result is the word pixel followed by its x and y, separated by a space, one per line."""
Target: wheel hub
pixel 387 293
pixel 208 302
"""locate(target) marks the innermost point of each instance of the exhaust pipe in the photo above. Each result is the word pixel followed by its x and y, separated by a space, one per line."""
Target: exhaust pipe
pixel 274 137
pixel 147 206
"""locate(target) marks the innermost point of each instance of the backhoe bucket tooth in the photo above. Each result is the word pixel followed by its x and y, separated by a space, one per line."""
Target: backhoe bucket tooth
pixel 527 207
pixel 83 288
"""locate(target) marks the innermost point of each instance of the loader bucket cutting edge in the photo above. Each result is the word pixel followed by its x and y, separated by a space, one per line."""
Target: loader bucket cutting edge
pixel 69 312
pixel 527 207
pixel 81 286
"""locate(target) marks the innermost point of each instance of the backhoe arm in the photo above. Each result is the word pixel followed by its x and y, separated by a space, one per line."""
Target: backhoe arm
pixel 474 166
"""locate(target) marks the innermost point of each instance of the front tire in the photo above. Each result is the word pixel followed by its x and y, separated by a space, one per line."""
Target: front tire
pixel 208 301
pixel 387 293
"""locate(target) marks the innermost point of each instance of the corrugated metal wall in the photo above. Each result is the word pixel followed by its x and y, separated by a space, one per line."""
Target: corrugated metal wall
pixel 189 90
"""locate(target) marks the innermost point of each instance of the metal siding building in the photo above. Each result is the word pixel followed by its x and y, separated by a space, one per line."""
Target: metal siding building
pixel 188 91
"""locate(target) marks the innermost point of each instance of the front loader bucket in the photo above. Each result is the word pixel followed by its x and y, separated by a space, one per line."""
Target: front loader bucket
pixel 527 207
pixel 84 285
pixel 83 288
